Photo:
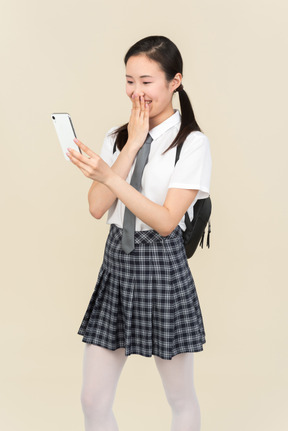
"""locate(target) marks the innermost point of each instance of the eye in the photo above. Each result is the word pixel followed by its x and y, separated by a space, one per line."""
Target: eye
pixel 145 83
pixel 129 82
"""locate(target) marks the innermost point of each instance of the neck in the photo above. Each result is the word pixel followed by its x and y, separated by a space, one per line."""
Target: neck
pixel 158 119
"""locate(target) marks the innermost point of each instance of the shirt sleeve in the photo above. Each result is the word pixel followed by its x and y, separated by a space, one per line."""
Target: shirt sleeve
pixel 107 148
pixel 193 169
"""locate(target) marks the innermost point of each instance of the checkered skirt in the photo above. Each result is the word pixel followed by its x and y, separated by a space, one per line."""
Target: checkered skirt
pixel 145 301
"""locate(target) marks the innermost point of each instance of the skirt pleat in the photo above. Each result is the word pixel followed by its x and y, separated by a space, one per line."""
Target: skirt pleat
pixel 146 301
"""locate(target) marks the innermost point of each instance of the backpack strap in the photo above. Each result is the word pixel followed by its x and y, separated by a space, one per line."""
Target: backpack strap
pixel 178 151
pixel 188 222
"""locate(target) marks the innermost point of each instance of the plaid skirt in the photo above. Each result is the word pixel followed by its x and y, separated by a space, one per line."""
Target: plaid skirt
pixel 145 301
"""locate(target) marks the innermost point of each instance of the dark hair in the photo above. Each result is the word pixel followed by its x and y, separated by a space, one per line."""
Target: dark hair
pixel 166 54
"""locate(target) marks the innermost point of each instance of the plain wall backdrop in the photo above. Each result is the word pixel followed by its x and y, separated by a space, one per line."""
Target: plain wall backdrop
pixel 67 56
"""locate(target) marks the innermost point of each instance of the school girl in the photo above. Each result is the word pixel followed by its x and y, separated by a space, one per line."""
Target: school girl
pixel 145 301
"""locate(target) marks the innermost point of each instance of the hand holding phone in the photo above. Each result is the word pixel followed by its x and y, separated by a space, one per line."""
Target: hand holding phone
pixel 98 171
pixel 65 132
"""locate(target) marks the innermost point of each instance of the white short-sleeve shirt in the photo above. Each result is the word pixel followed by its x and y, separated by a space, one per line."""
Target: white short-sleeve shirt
pixel 192 171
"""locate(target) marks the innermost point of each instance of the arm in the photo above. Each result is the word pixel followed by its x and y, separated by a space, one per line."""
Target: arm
pixel 163 219
pixel 100 197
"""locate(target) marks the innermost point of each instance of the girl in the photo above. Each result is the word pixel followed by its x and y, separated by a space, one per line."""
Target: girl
pixel 145 301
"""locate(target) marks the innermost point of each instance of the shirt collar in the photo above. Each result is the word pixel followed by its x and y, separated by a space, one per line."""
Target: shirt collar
pixel 157 131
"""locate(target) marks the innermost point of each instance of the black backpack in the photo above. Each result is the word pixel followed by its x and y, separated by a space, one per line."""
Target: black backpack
pixel 195 229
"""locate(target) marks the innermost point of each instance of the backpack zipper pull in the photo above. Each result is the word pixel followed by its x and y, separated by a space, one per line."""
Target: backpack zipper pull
pixel 208 236
pixel 202 239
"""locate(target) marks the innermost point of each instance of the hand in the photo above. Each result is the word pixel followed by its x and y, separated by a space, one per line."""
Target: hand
pixel 138 126
pixel 93 166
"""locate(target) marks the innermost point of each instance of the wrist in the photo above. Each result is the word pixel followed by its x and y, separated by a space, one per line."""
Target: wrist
pixel 130 150
pixel 133 146
pixel 112 180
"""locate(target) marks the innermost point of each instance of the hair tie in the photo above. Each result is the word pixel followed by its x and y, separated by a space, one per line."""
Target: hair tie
pixel 180 88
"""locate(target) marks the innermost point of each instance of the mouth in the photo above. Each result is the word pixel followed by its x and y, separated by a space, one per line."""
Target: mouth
pixel 148 101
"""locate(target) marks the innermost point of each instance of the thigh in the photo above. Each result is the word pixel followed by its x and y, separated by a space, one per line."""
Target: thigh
pixel 177 374
pixel 101 370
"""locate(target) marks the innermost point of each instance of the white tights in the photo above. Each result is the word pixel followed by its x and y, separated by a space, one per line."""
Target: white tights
pixel 101 372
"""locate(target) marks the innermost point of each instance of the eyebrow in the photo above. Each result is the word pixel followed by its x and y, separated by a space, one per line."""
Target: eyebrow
pixel 142 76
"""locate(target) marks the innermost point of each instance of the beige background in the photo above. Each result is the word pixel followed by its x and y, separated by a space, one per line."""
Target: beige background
pixel 67 56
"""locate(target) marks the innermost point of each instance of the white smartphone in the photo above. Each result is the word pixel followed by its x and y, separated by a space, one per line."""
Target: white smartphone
pixel 65 132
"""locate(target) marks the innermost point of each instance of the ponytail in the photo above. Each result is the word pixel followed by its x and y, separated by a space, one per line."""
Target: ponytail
pixel 188 121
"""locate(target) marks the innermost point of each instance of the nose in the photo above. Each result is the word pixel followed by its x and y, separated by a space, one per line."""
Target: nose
pixel 137 91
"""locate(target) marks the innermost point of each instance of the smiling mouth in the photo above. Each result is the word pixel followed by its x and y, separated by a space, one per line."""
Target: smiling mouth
pixel 148 101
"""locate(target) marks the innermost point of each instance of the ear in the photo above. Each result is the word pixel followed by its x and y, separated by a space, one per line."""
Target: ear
pixel 176 81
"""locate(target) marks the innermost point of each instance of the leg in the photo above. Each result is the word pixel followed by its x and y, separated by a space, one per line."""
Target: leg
pixel 177 379
pixel 101 371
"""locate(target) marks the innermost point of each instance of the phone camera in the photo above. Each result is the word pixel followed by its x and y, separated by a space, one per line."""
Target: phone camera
pixel 53 117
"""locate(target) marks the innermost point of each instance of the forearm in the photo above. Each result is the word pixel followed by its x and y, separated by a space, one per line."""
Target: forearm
pixel 156 216
pixel 100 197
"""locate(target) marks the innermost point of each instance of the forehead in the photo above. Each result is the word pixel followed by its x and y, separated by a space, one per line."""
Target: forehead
pixel 141 65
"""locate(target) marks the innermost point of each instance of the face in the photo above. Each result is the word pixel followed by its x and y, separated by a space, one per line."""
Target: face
pixel 144 77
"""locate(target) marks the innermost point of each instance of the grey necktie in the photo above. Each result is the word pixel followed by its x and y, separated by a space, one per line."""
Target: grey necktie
pixel 129 217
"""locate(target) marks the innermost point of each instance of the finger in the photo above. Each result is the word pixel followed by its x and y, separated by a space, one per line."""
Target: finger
pixel 146 112
pixel 79 156
pixel 133 105
pixel 78 163
pixel 142 103
pixel 144 109
pixel 84 148
pixel 136 103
